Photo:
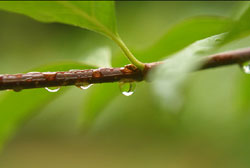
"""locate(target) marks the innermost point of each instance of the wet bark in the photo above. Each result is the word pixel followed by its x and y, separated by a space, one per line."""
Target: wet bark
pixel 129 73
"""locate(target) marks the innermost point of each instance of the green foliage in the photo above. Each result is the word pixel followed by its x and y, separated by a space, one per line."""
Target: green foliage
pixel 93 15
pixel 181 35
pixel 185 43
pixel 185 33
pixel 169 76
pixel 18 107
pixel 241 28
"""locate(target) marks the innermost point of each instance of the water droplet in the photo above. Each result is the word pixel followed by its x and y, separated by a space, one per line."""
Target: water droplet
pixel 127 88
pixel 246 68
pixel 52 89
pixel 84 86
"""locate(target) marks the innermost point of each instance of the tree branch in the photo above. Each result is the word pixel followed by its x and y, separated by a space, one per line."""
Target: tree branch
pixel 227 58
pixel 129 73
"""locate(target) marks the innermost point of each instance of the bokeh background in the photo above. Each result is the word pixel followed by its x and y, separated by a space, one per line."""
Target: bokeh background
pixel 211 130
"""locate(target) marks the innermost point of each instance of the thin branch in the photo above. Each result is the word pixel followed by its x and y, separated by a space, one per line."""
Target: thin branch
pixel 129 73
pixel 227 58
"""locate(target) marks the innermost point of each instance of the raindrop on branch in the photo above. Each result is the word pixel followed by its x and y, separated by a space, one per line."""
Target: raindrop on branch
pixel 246 68
pixel 84 86
pixel 52 89
pixel 127 88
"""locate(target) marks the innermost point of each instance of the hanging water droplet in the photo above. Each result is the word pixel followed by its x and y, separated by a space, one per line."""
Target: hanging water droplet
pixel 246 68
pixel 127 88
pixel 84 86
pixel 52 89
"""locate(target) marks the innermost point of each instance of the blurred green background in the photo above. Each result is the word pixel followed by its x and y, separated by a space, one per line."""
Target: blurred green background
pixel 211 130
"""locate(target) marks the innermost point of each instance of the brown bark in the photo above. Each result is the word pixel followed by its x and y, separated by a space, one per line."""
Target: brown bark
pixel 129 73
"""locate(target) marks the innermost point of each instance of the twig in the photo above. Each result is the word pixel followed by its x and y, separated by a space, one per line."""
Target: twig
pixel 227 58
pixel 129 73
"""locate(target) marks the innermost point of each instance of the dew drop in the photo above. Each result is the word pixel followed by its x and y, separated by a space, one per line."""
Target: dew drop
pixel 127 88
pixel 84 86
pixel 52 89
pixel 246 68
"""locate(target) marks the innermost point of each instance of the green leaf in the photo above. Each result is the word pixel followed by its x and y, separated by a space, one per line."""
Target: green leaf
pixel 16 107
pixel 180 36
pixel 169 82
pixel 98 16
pixel 185 33
pixel 241 27
pixel 169 77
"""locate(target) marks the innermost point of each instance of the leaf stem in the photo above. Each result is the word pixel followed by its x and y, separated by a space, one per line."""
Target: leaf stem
pixel 106 31
pixel 128 53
